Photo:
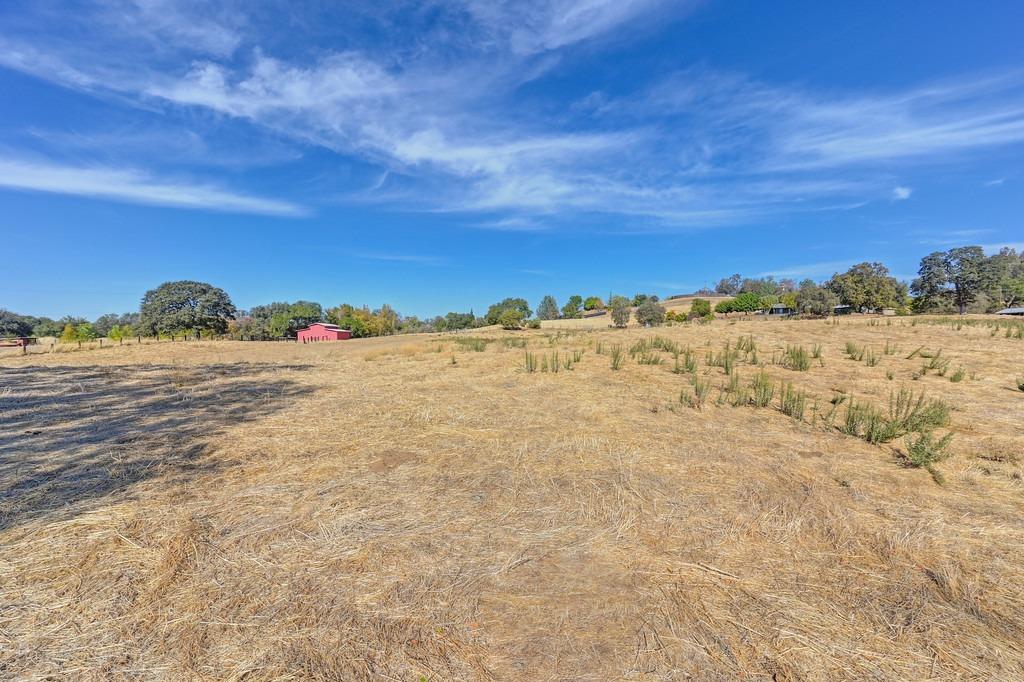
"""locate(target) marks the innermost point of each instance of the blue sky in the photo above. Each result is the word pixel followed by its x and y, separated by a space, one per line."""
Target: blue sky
pixel 440 156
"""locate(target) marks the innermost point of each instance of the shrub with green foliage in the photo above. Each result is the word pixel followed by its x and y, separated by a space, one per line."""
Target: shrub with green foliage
pixel 593 303
pixel 797 358
pixel 926 451
pixel 650 313
pixel 764 389
pixel 621 310
pixel 616 357
pixel 510 318
pixel 700 307
pixel 518 305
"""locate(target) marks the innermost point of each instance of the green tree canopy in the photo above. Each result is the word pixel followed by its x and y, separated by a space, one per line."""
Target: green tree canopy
pixel 650 312
pixel 1007 278
pixel 868 286
pixel 12 324
pixel 812 299
pixel 593 303
pixel 748 302
pixel 511 318
pixel 178 306
pixel 459 320
pixel 729 286
pixel 518 304
pixel 573 307
pixel 764 286
pixel 956 277
pixel 548 308
pixel 622 310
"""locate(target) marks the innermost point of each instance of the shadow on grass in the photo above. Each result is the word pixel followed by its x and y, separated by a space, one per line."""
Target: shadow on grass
pixel 72 435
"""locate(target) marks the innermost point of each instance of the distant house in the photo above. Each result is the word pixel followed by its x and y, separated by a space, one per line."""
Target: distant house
pixel 781 309
pixel 321 331
pixel 842 309
pixel 1011 311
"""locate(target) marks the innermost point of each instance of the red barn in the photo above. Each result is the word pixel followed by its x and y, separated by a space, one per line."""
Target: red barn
pixel 322 331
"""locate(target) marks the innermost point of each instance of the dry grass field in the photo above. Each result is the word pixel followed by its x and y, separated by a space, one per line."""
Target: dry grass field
pixel 425 508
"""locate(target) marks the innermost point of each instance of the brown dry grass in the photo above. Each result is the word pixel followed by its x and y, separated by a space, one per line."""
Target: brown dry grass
pixel 223 510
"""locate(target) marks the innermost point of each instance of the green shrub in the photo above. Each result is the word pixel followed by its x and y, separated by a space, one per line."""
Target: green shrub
pixel 648 357
pixel 907 414
pixel 797 358
pixel 764 389
pixel 746 344
pixel 926 451
pixel 621 310
pixel 958 376
pixel 616 355
pixel 938 364
pixel 792 401
pixel 698 396
pixel 700 308
pixel 510 318
pixel 866 421
pixel 650 313
pixel 530 362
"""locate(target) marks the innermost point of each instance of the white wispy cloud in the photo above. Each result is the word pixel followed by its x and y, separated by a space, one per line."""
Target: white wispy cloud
pixel 443 127
pixel 901 193
pixel 136 187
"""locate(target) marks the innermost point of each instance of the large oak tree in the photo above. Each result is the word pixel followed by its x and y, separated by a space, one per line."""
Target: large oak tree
pixel 175 307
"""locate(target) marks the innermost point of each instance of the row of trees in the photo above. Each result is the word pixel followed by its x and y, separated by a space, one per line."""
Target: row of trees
pixel 966 279
pixel 762 286
pixel 962 279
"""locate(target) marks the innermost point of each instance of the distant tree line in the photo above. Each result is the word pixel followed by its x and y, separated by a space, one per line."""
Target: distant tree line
pixel 962 279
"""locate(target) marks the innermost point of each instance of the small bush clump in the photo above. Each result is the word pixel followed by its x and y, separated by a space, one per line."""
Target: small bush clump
pixel 616 356
pixel 926 451
pixel 793 401
pixel 763 388
pixel 698 396
pixel 530 362
pixel 797 358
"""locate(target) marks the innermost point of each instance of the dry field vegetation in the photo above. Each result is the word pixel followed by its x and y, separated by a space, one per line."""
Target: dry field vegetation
pixel 427 508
